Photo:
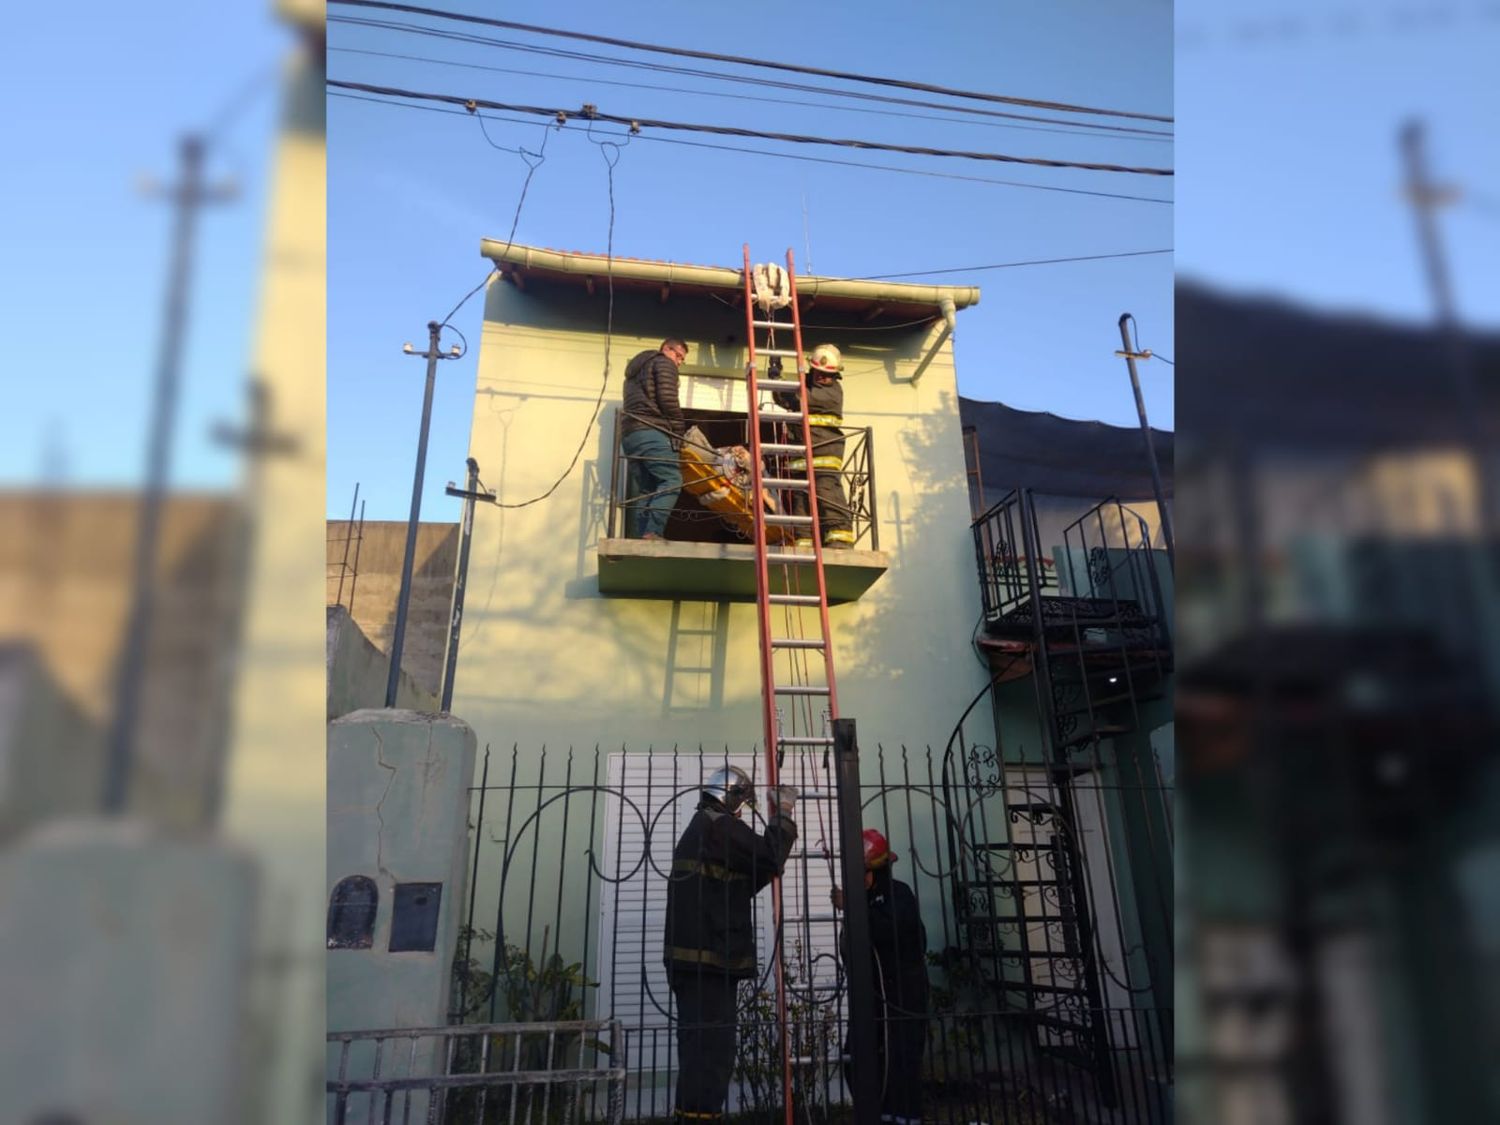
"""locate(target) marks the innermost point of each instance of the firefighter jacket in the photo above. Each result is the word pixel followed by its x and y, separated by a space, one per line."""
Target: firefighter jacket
pixel 898 945
pixel 651 395
pixel 825 414
pixel 718 867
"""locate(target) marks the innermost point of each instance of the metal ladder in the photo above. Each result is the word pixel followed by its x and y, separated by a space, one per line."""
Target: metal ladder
pixel 792 566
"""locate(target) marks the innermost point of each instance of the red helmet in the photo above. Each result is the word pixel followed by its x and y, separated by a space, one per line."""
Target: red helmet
pixel 877 850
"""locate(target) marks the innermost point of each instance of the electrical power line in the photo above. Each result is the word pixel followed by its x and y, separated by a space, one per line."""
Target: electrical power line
pixel 803 157
pixel 1153 136
pixel 636 123
pixel 738 79
pixel 1010 265
pixel 682 52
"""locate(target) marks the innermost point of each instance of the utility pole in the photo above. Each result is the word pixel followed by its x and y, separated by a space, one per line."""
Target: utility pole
pixel 403 602
pixel 1131 355
pixel 187 196
pixel 1426 197
pixel 460 579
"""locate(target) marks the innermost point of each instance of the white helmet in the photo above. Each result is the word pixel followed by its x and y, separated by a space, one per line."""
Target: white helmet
pixel 731 786
pixel 826 358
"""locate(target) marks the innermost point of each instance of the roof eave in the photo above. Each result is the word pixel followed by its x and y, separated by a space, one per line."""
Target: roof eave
pixel 718 277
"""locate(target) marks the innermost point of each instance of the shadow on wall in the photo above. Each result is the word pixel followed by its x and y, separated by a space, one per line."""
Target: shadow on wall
pixel 889 640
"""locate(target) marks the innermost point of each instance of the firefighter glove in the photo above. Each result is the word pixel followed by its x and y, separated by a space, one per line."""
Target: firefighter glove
pixel 783 799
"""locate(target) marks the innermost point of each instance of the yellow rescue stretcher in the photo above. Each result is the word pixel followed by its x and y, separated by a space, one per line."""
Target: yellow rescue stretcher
pixel 720 480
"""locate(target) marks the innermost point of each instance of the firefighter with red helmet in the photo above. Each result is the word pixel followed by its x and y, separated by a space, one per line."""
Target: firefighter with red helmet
pixel 825 420
pixel 898 948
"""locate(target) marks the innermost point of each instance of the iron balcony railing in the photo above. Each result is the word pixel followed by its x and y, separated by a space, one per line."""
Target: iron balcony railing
pixel 1000 547
pixel 858 475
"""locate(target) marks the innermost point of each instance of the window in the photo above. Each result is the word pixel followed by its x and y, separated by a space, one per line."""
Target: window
pixel 414 917
pixel 351 913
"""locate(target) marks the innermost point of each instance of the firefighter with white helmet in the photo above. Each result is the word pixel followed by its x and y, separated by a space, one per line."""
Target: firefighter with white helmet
pixel 825 419
pixel 718 867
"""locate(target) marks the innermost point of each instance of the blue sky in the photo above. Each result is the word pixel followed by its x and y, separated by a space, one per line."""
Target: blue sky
pixel 86 252
pixel 412 192
pixel 1289 182
pixel 1289 173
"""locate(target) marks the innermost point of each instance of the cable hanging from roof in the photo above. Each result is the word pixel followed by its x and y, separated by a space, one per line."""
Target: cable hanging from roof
pixel 637 123
pixel 683 52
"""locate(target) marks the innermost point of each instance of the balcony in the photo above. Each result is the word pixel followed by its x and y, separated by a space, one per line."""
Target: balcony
pixel 704 557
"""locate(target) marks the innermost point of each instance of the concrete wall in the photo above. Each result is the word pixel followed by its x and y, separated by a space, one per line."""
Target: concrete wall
pixel 275 790
pixel 66 584
pixel 51 752
pixel 357 672
pixel 397 813
pixel 130 1007
pixel 370 592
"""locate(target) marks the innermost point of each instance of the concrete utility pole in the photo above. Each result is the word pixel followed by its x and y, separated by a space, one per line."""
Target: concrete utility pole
pixel 1131 355
pixel 1426 197
pixel 187 196
pixel 461 576
pixel 403 602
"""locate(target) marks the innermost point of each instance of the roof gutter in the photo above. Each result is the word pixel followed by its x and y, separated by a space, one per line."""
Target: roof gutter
pixel 950 321
pixel 948 298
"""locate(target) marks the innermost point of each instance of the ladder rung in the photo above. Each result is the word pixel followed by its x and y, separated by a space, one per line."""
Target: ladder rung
pixel 804 740
pixel 778 352
pixel 773 324
pixel 795 642
pixel 794 599
pixel 776 447
pixel 801 689
pixel 782 482
pixel 777 385
pixel 789 521
pixel 791 558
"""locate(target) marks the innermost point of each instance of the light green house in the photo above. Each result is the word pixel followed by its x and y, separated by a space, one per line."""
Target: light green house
pixel 577 637
pixel 570 632
pixel 594 668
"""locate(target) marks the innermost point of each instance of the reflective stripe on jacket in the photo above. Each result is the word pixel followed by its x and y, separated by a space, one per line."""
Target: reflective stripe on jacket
pixel 718 866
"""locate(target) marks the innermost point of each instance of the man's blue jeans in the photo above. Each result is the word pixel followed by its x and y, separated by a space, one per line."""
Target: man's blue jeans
pixel 655 473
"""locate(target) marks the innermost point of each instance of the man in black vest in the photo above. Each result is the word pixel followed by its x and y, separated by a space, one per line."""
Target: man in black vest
pixel 651 436
pixel 719 865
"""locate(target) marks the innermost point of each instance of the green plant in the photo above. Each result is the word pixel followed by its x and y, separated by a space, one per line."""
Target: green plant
pixel 815 1035
pixel 956 1005
pixel 546 991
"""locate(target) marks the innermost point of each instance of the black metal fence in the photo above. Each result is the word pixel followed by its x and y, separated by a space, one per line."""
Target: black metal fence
pixel 1040 1007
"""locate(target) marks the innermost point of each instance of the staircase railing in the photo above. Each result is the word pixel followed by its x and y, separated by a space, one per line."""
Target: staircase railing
pixel 1000 537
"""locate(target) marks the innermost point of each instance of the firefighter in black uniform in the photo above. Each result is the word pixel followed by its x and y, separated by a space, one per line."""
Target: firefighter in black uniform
pixel 825 416
pixel 718 867
pixel 898 947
